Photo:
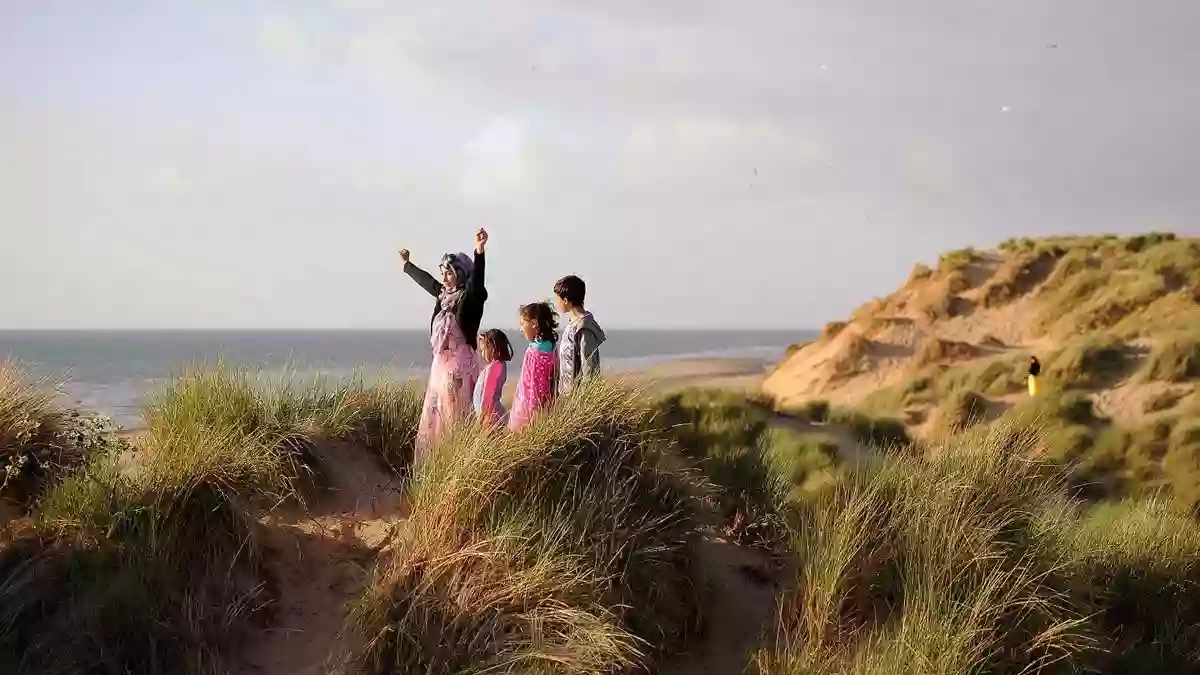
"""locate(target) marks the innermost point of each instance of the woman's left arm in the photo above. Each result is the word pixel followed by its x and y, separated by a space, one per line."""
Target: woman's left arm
pixel 475 286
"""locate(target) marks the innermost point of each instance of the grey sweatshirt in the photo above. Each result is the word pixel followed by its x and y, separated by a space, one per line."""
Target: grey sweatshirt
pixel 579 351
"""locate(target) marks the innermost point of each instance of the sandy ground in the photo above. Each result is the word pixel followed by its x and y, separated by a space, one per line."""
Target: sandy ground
pixel 319 558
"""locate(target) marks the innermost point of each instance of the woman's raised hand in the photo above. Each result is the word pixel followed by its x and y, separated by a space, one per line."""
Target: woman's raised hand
pixel 481 237
pixel 404 255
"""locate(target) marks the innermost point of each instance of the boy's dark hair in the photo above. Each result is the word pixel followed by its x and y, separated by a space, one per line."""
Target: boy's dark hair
pixel 545 318
pixel 571 289
pixel 496 339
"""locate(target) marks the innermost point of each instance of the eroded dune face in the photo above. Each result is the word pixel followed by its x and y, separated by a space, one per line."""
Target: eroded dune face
pixel 1115 319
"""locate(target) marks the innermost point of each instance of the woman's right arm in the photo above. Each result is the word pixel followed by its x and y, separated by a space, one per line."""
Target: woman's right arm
pixel 424 279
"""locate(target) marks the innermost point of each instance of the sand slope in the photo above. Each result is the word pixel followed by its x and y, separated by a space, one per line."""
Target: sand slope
pixel 993 309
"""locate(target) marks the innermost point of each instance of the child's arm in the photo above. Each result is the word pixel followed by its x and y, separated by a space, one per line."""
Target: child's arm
pixel 589 353
pixel 493 385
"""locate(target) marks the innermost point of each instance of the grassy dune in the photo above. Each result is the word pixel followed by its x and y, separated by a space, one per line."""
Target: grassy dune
pixel 572 547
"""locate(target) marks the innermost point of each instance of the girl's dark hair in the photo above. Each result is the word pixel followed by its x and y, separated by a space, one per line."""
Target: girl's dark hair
pixel 545 318
pixel 496 339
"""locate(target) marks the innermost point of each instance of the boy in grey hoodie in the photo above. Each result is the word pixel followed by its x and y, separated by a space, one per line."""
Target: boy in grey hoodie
pixel 579 346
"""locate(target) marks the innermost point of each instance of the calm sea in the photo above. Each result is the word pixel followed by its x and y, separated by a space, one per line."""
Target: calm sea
pixel 111 371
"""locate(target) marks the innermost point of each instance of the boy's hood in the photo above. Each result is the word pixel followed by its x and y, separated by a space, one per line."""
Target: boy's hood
pixel 588 323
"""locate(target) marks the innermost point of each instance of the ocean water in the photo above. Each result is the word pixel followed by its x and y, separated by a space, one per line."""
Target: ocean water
pixel 112 371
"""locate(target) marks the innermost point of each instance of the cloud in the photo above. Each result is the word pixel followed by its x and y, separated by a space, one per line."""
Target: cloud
pixel 685 148
pixel 929 168
pixel 167 178
pixel 499 161
pixel 292 38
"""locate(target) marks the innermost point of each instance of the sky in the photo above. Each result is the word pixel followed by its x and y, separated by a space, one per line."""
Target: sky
pixel 700 163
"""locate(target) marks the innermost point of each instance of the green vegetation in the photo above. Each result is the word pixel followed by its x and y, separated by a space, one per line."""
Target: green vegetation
pixel 754 463
pixel 40 443
pixel 957 260
pixel 975 560
pixel 571 547
pixel 962 410
pixel 1090 363
pixel 1136 287
pixel 158 568
pixel 1173 359
pixel 562 549
pixel 883 433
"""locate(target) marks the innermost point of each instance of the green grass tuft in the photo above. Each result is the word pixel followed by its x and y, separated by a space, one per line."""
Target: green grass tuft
pixel 561 549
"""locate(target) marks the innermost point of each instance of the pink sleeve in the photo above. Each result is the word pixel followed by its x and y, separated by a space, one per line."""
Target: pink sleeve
pixel 491 390
pixel 519 414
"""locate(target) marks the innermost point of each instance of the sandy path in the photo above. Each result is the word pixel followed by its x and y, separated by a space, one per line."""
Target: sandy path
pixel 740 607
pixel 321 560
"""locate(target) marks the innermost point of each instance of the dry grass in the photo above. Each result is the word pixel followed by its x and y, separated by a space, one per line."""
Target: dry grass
pixel 563 549
pixel 1136 286
pixel 936 350
pixel 40 442
pixel 158 569
pixel 1017 277
pixel 962 410
pixel 975 559
pixel 832 330
pixel 919 566
pixel 1089 364
pixel 754 465
pixel 1173 359
pixel 854 357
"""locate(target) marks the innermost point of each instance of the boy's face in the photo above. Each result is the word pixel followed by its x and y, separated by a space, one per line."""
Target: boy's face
pixel 561 304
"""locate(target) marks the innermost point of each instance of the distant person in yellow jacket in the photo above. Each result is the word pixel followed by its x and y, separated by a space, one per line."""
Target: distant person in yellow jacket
pixel 1035 369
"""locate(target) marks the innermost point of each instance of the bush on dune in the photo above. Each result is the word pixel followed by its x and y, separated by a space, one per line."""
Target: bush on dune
pixel 290 416
pixel 1089 364
pixel 1175 359
pixel 1133 568
pixel 561 549
pixel 754 464
pixel 156 568
pixel 40 442
pixel 924 566
pixel 145 573
pixel 975 559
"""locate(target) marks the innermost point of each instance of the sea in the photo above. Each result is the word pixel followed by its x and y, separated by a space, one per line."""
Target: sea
pixel 111 372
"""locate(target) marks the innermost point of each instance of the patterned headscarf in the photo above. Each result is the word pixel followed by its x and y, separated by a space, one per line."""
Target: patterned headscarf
pixel 462 266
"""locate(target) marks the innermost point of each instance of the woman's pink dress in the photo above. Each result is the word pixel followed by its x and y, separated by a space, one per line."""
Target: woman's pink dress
pixel 535 388
pixel 451 382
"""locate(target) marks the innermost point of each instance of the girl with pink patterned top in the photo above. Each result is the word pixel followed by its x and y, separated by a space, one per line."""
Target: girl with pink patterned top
pixel 535 388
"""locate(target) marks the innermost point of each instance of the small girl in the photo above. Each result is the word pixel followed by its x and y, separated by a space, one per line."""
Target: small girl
pixel 535 388
pixel 496 351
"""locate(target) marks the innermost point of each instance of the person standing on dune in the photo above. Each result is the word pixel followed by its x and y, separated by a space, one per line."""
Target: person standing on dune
pixel 1035 369
pixel 453 330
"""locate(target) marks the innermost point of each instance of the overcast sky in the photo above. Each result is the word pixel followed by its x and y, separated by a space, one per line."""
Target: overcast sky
pixel 239 163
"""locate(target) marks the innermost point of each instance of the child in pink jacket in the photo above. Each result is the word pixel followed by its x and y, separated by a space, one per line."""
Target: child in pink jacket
pixel 535 388
pixel 495 351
